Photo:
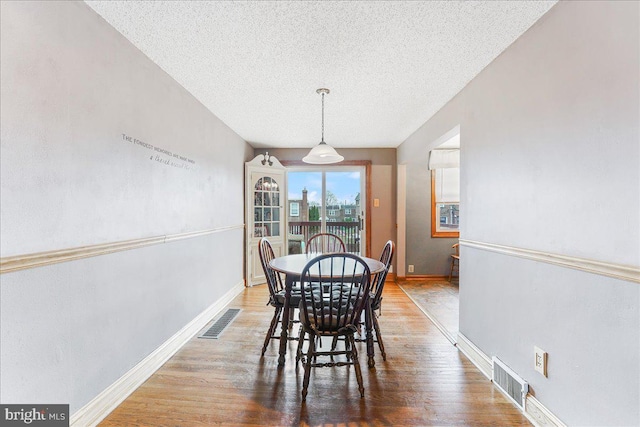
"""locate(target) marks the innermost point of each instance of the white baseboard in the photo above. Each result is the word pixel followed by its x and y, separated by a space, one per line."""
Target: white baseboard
pixel 477 356
pixel 539 415
pixel 535 411
pixel 98 408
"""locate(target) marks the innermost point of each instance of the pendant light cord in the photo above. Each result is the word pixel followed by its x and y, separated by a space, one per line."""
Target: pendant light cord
pixel 322 117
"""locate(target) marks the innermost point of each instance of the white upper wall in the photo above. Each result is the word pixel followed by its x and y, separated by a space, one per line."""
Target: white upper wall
pixel 550 162
pixel 551 158
pixel 69 176
pixel 550 141
pixel 71 87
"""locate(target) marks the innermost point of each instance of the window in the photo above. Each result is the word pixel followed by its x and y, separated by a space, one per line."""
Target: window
pixel 333 212
pixel 445 202
pixel 444 163
pixel 347 211
pixel 294 209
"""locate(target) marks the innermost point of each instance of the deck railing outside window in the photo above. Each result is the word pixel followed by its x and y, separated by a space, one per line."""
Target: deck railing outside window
pixel 300 232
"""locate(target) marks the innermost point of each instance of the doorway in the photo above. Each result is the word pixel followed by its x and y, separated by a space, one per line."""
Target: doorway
pixel 326 200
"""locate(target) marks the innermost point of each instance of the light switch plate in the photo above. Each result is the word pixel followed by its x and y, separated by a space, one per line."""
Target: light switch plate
pixel 540 362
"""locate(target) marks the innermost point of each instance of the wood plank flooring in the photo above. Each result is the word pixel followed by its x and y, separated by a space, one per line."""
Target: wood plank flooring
pixel 424 382
pixel 439 299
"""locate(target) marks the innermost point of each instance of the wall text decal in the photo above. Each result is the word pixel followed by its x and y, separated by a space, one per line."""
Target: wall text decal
pixel 163 156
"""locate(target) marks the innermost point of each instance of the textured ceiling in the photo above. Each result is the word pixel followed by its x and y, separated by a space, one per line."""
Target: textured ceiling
pixel 256 65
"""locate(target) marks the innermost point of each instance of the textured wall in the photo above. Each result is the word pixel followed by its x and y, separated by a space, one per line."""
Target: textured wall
pixel 71 87
pixel 550 162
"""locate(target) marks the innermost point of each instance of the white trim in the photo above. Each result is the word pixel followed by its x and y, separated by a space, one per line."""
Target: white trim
pixel 445 137
pixel 539 415
pixel 22 262
pixel 618 271
pixel 535 411
pixel 475 355
pixel 102 405
pixel 401 214
pixel 257 161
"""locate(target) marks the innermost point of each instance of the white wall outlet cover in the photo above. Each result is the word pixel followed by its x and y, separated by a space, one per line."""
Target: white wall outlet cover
pixel 410 268
pixel 540 361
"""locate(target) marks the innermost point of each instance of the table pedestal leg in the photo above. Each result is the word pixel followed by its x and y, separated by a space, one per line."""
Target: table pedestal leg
pixel 368 320
pixel 285 320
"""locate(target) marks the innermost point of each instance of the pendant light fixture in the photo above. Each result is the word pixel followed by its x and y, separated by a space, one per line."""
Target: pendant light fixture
pixel 322 154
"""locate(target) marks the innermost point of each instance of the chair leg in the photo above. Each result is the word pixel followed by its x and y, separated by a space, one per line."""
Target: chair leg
pixel 300 342
pixel 291 316
pixel 379 337
pixel 307 365
pixel 272 329
pixel 453 260
pixel 334 343
pixel 356 364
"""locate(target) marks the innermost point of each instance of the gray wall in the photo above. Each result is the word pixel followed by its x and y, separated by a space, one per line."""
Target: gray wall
pixel 71 87
pixel 383 186
pixel 550 130
pixel 430 256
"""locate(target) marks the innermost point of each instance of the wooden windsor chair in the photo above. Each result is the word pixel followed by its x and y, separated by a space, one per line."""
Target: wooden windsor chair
pixel 334 292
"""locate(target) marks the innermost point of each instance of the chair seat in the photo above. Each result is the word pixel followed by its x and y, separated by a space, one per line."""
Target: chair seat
pixel 294 301
pixel 327 324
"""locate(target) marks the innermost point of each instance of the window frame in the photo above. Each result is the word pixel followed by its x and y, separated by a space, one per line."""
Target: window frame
pixel 436 216
pixel 297 211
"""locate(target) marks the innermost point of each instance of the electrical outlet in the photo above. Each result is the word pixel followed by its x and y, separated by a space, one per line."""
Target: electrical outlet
pixel 540 362
pixel 391 269
pixel 376 203
pixel 410 268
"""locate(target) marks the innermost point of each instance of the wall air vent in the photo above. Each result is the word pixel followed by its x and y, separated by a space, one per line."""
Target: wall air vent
pixel 509 383
pixel 220 325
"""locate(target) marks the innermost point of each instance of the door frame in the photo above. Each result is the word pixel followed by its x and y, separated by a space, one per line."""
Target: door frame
pixel 367 203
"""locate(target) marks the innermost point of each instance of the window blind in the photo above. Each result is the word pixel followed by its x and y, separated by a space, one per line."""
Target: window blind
pixel 447 185
pixel 444 159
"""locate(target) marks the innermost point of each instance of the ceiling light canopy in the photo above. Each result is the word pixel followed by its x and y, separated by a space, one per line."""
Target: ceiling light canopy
pixel 323 153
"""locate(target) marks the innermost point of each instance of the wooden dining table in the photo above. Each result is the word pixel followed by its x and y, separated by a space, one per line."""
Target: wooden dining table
pixel 291 266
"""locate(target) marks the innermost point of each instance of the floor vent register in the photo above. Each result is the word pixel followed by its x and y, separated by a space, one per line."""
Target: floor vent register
pixel 221 324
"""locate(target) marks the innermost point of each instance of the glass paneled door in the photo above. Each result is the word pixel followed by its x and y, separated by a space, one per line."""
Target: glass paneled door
pixel 328 200
pixel 265 191
pixel 266 207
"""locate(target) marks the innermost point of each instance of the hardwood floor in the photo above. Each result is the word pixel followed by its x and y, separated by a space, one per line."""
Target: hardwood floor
pixel 439 300
pixel 424 382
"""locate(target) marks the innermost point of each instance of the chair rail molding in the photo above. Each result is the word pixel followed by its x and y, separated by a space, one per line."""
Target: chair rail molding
pixel 617 271
pixel 40 259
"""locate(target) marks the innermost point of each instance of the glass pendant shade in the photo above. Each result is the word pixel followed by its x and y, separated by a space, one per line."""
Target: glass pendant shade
pixel 322 154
